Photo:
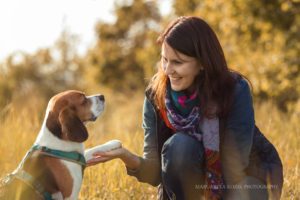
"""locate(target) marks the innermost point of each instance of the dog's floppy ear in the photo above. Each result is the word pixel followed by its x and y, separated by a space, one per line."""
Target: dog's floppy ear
pixel 53 125
pixel 71 126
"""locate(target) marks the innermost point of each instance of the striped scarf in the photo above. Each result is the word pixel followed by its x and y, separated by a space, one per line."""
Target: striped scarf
pixel 204 130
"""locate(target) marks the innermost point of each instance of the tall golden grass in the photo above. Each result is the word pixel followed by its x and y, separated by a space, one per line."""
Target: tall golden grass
pixel 122 120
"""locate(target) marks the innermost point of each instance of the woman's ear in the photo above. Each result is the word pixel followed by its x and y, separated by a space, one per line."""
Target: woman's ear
pixel 71 126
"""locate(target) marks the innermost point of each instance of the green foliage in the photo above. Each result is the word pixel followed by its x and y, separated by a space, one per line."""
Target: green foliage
pixel 45 73
pixel 126 51
pixel 185 7
pixel 5 90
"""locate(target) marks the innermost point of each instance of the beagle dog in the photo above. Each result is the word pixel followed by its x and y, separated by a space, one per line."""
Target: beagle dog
pixel 63 132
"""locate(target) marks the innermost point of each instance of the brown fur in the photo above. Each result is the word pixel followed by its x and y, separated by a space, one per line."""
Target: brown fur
pixel 72 128
pixel 66 113
pixel 61 175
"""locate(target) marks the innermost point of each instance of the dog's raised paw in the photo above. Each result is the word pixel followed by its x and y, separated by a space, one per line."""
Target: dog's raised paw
pixel 110 145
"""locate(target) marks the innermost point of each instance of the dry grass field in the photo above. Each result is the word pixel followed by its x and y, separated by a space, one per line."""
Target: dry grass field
pixel 122 120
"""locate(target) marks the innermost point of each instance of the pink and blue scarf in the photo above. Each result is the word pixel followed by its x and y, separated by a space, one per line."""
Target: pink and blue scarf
pixel 183 115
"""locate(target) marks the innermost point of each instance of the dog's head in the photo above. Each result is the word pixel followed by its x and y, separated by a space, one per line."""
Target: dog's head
pixel 69 111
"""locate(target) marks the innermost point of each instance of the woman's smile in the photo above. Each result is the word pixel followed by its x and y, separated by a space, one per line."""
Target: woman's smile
pixel 174 79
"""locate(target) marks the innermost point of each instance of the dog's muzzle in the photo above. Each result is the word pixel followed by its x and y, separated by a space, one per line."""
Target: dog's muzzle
pixel 97 107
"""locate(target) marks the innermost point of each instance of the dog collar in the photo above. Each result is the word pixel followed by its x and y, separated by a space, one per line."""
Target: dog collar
pixel 70 156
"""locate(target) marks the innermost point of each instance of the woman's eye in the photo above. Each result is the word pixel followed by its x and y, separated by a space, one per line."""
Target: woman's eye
pixel 177 62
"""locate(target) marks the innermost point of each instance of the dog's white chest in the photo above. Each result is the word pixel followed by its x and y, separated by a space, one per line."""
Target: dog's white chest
pixel 76 173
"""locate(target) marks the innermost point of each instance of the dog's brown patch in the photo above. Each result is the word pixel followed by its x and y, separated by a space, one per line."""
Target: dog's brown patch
pixel 61 174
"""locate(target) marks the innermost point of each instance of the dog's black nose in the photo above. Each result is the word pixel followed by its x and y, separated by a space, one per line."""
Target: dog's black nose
pixel 101 97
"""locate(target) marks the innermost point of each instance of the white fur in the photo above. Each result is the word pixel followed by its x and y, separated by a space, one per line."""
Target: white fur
pixel 97 107
pixel 113 144
pixel 57 196
pixel 76 173
pixel 46 138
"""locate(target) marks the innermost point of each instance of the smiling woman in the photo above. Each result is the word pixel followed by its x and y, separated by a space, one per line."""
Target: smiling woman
pixel 200 137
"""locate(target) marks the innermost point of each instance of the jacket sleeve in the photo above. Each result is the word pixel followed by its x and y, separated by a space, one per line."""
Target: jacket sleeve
pixel 238 137
pixel 149 170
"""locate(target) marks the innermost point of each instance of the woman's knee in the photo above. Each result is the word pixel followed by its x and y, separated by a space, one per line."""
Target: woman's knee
pixel 182 152
pixel 183 166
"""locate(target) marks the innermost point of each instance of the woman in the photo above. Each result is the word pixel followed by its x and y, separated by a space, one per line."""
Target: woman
pixel 200 134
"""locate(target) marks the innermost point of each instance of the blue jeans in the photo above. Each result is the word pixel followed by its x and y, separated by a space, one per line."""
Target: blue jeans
pixel 183 172
pixel 183 167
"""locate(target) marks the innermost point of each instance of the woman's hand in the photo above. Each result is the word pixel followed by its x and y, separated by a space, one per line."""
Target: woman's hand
pixel 131 160
pixel 101 157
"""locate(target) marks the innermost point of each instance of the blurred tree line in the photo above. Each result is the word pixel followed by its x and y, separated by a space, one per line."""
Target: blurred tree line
pixel 260 39
pixel 47 71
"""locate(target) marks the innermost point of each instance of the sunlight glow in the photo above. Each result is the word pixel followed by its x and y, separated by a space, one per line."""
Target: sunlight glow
pixel 31 24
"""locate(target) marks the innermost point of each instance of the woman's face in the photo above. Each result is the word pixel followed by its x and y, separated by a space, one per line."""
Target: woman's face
pixel 180 68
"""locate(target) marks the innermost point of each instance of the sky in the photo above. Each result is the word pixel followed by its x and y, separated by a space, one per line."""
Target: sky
pixel 28 25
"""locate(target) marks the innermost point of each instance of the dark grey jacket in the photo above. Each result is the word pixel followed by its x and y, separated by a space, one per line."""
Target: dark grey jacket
pixel 244 150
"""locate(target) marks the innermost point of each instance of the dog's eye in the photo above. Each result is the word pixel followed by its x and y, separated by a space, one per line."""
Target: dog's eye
pixel 84 101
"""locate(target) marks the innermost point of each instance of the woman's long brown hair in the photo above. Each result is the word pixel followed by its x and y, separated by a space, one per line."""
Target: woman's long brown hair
pixel 193 37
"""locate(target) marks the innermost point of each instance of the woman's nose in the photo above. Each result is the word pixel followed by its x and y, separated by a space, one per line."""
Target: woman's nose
pixel 168 69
